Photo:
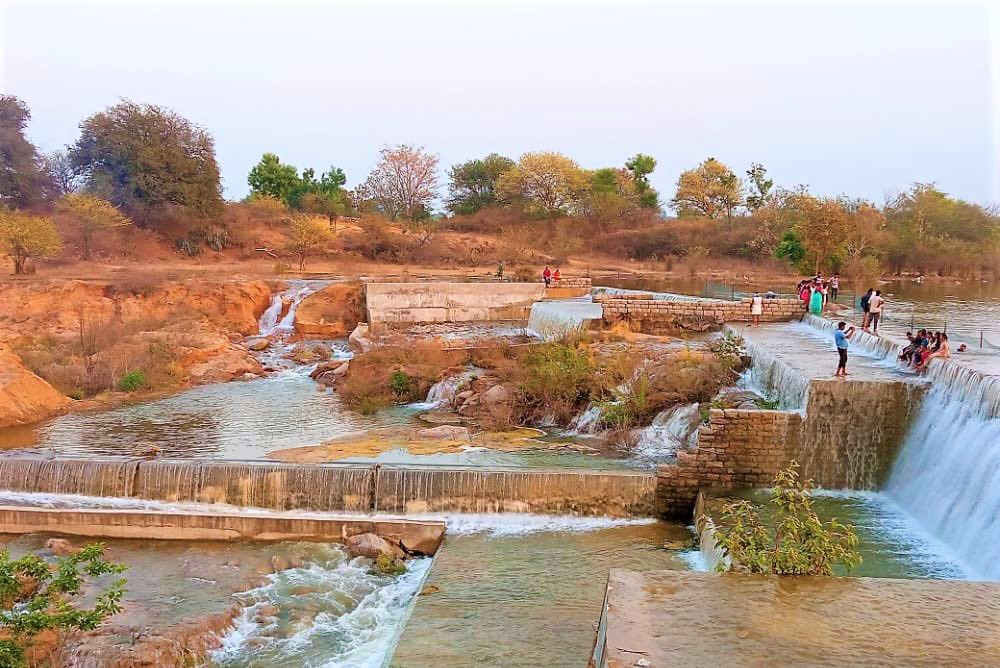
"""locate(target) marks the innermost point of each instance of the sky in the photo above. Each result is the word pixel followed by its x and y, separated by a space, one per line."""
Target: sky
pixel 848 97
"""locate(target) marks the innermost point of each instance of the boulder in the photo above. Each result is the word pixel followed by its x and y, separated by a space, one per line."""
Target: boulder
pixel 258 344
pixel 371 546
pixel 280 562
pixel 359 338
pixel 463 395
pixel 446 432
pixel 330 312
pixel 498 394
pixel 24 397
pixel 61 547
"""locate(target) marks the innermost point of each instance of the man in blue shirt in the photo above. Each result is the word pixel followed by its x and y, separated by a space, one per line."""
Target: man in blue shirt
pixel 840 336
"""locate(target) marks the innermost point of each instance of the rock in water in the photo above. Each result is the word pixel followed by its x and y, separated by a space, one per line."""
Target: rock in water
pixel 258 344
pixel 371 545
pixel 61 547
pixel 445 432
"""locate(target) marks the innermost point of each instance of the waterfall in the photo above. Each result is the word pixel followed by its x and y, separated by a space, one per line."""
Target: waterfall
pixel 554 319
pixel 862 342
pixel 671 430
pixel 646 294
pixel 353 488
pixel 947 474
pixel 443 392
pixel 587 422
pixel 775 379
pixel 272 322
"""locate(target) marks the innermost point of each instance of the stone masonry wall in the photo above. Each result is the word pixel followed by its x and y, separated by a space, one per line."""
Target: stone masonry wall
pixel 651 315
pixel 737 448
pixel 847 439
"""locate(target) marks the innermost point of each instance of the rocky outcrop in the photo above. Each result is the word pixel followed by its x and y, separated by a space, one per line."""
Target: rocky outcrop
pixel 328 373
pixel 331 312
pixel 360 338
pixel 24 397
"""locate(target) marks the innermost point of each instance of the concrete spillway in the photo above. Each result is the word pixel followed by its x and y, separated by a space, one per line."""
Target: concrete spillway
pixel 354 488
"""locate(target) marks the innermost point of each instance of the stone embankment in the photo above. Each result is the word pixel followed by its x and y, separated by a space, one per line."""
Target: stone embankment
pixel 393 304
pixel 651 316
pixel 847 438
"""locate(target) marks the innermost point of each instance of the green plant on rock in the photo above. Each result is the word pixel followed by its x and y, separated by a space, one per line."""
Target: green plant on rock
pixel 799 543
pixel 37 596
pixel 386 564
pixel 132 381
pixel 401 383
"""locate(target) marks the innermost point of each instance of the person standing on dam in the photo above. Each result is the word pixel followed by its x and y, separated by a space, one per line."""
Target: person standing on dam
pixel 840 337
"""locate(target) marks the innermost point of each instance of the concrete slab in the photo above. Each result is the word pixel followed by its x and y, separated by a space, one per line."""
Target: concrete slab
pixel 421 536
pixel 672 618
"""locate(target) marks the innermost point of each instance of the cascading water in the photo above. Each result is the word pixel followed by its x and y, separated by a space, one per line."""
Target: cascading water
pixel 947 474
pixel 443 392
pixel 862 342
pixel 774 378
pixel 276 320
pixel 554 319
pixel 671 430
pixel 661 296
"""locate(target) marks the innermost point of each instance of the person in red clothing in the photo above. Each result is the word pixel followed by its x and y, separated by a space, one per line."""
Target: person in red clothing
pixel 547 276
pixel 555 276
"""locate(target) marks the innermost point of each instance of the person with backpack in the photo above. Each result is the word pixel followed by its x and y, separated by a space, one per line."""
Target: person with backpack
pixel 865 308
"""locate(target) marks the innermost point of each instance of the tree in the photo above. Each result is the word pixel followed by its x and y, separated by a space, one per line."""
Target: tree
pixel 761 187
pixel 37 596
pixel 25 237
pixel 823 228
pixel 61 173
pixel 790 249
pixel 866 224
pixel 641 166
pixel 272 178
pixel 23 181
pixel 90 214
pixel 403 183
pixel 267 208
pixel 473 184
pixel 548 183
pixel 144 158
pixel 309 235
pixel 324 195
pixel 800 543
pixel 711 189
pixel 613 194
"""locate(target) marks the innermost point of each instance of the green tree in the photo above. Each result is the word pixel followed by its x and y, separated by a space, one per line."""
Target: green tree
pixel 144 158
pixel 711 189
pixel 25 237
pixel 760 185
pixel 37 596
pixel 799 543
pixel 23 181
pixel 309 235
pixel 273 178
pixel 613 194
pixel 90 214
pixel 324 195
pixel 473 184
pixel 641 166
pixel 546 183
pixel 824 227
pixel 791 249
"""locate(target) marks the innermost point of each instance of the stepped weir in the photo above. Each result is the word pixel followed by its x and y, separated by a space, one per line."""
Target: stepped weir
pixel 362 488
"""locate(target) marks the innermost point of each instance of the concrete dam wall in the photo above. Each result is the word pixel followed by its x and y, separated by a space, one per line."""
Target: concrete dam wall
pixel 410 303
pixel 352 488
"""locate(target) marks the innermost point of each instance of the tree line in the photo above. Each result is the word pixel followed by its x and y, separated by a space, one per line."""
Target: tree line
pixel 145 165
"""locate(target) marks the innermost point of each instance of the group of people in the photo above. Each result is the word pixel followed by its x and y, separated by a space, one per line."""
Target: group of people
pixel 872 306
pixel 817 292
pixel 549 276
pixel 925 346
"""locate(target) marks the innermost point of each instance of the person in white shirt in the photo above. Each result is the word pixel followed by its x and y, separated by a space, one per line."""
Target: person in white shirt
pixel 875 306
pixel 756 309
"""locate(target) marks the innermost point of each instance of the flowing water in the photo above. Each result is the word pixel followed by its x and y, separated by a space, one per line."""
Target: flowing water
pixel 524 600
pixel 554 319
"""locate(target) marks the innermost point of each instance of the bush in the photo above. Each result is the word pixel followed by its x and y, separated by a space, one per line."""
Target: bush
pixel 132 381
pixel 799 543
pixel 37 596
pixel 189 246
pixel 401 383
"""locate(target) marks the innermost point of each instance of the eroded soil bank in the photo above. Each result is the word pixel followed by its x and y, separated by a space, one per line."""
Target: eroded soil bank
pixel 70 345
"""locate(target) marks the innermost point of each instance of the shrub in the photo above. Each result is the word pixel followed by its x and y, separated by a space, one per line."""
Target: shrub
pixel 189 246
pixel 386 564
pixel 401 383
pixel 36 596
pixel 799 543
pixel 282 268
pixel 132 381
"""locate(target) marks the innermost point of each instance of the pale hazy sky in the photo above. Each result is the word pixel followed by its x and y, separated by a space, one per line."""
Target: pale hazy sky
pixel 847 97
